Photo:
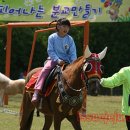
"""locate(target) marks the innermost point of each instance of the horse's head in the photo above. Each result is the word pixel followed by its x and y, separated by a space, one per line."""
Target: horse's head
pixel 93 70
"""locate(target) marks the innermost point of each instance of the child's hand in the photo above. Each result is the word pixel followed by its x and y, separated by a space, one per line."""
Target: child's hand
pixel 61 62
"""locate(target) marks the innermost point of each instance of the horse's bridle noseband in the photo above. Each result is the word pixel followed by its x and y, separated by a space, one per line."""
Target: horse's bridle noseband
pixel 84 66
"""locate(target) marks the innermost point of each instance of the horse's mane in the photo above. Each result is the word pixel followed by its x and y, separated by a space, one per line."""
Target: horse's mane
pixel 75 65
pixel 71 74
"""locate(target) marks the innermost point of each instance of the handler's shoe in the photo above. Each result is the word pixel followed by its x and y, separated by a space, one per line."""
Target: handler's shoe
pixel 36 97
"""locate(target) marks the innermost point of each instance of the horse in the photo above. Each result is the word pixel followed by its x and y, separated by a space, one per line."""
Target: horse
pixel 10 87
pixel 65 99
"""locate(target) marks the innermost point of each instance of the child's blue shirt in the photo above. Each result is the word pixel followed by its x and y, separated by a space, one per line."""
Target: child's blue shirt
pixel 61 48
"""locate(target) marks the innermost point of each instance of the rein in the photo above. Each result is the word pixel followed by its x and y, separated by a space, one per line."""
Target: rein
pixel 85 78
pixel 83 75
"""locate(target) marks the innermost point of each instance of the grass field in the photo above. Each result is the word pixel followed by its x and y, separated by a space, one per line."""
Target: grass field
pixel 103 113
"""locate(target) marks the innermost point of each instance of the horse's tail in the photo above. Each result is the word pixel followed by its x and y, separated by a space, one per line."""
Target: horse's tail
pixel 26 109
pixel 24 97
pixel 21 107
pixel 26 112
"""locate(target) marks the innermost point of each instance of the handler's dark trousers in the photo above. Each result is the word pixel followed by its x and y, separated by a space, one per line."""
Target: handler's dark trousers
pixel 128 122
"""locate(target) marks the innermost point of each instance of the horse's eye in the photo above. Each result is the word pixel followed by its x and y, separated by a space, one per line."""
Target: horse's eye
pixel 102 68
pixel 88 68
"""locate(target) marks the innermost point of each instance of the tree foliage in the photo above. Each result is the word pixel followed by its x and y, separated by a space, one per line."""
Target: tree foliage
pixel 116 36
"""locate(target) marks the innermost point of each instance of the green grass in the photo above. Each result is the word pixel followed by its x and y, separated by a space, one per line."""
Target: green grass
pixel 101 107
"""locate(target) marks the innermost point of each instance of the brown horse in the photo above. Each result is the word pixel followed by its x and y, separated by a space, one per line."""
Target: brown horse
pixel 65 100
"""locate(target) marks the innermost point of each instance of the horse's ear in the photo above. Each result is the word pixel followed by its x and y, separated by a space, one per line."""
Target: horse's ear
pixel 87 52
pixel 102 54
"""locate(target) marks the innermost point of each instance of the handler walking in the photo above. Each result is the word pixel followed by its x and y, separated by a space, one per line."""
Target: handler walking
pixel 121 78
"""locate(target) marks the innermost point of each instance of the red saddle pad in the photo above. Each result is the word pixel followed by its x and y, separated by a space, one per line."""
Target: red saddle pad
pixel 32 81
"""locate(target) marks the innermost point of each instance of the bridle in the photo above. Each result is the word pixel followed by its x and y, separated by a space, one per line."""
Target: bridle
pixel 74 100
pixel 84 76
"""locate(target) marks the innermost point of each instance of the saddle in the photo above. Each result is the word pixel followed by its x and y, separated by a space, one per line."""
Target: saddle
pixel 48 85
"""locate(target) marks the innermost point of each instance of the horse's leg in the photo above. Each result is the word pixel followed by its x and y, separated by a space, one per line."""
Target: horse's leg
pixel 75 121
pixel 57 121
pixel 26 113
pixel 48 122
pixel 1 97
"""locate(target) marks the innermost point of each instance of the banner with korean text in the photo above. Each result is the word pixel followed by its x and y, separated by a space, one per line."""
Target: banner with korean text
pixel 75 10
